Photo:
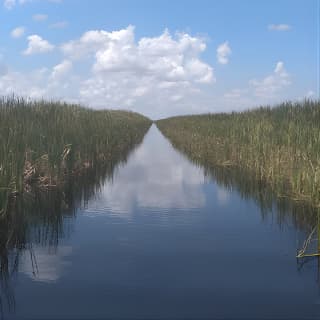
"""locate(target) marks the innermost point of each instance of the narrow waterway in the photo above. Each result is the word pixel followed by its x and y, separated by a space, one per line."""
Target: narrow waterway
pixel 162 239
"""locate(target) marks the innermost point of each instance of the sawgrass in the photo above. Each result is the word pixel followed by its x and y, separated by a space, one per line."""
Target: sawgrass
pixel 277 145
pixel 43 142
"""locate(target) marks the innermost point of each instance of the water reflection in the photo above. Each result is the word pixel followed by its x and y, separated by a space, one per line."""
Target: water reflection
pixel 157 177
pixel 36 222
pixel 281 210
pixel 43 265
pixel 230 178
pixel 156 236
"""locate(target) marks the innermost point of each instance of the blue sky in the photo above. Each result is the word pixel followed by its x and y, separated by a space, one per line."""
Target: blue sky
pixel 161 58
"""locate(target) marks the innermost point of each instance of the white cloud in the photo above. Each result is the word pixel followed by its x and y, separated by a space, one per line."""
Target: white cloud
pixel 159 76
pixel 59 25
pixel 269 90
pixel 164 58
pixel 279 27
pixel 61 69
pixel 273 83
pixel 29 85
pixel 18 32
pixel 223 53
pixel 37 45
pixel 40 17
pixel 146 94
pixel 152 71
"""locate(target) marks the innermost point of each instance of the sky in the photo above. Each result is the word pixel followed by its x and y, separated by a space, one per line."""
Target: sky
pixel 161 58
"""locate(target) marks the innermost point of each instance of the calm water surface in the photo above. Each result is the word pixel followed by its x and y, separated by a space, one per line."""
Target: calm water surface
pixel 163 240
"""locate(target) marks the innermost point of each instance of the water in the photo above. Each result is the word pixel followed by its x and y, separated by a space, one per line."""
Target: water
pixel 163 240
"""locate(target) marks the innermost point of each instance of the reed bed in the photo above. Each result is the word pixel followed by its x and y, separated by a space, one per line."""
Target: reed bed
pixel 61 157
pixel 278 145
pixel 42 143
pixel 53 158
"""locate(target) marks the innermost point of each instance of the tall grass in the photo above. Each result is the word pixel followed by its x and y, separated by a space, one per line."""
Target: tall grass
pixel 53 158
pixel 41 142
pixel 279 145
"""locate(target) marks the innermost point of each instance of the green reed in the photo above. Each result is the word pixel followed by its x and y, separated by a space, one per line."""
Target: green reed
pixel 42 216
pixel 278 145
pixel 43 142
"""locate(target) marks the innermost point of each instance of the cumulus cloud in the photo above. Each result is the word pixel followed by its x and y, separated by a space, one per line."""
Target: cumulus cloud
pixel 223 53
pixel 40 17
pixel 29 85
pixel 273 83
pixel 159 76
pixel 61 69
pixel 37 45
pixel 268 90
pixel 279 27
pixel 151 71
pixel 165 57
pixel 17 32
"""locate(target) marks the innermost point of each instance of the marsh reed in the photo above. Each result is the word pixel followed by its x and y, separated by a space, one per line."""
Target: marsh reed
pixel 43 142
pixel 278 145
pixel 53 158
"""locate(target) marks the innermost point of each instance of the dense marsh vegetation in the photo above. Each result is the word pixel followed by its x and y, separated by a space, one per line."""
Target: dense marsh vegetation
pixel 279 146
pixel 54 157
pixel 42 143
